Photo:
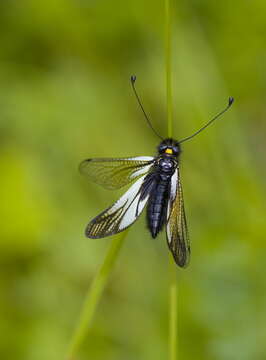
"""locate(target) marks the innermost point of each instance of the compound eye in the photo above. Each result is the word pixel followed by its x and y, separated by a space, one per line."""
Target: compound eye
pixel 162 148
pixel 175 149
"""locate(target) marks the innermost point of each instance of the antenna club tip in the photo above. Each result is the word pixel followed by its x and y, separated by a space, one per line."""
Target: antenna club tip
pixel 230 100
pixel 133 78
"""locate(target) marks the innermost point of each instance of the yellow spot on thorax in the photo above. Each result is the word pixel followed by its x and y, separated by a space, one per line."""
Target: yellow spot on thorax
pixel 169 151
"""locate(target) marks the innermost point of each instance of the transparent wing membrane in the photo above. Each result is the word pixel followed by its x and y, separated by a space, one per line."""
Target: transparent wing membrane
pixel 115 173
pixel 176 227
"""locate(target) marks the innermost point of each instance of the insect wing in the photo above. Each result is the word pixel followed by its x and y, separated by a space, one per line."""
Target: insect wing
pixel 176 227
pixel 122 213
pixel 115 173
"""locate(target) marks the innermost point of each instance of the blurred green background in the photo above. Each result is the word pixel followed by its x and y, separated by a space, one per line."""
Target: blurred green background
pixel 64 96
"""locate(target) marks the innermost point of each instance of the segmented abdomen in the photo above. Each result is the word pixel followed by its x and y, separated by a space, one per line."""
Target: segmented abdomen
pixel 157 207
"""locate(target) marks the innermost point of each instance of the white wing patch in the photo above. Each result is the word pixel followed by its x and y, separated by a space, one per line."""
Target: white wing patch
pixel 120 215
pixel 174 182
pixel 141 158
pixel 143 170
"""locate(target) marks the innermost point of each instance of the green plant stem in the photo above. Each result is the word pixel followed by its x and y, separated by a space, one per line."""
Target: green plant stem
pixel 168 62
pixel 173 333
pixel 94 295
pixel 173 329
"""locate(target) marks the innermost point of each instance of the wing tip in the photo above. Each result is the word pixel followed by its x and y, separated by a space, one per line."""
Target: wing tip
pixel 182 260
pixel 182 263
pixel 82 164
pixel 89 233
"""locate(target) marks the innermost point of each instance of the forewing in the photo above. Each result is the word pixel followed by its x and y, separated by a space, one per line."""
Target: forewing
pixel 115 173
pixel 123 213
pixel 176 227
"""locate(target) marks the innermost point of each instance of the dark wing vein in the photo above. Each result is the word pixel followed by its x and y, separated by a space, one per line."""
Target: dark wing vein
pixel 177 232
pixel 121 214
pixel 115 173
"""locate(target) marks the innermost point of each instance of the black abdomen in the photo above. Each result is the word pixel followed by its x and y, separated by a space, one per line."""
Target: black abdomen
pixel 157 206
pixel 158 200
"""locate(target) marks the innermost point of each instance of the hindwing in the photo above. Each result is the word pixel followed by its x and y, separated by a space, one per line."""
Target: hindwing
pixel 176 225
pixel 123 212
